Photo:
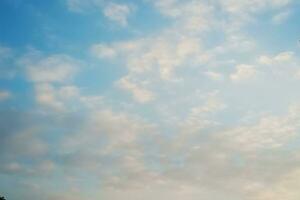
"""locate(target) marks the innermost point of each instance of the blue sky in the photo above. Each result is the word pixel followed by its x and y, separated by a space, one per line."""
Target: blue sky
pixel 149 99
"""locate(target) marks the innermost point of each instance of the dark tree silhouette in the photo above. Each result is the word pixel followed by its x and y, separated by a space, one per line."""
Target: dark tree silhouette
pixel 2 198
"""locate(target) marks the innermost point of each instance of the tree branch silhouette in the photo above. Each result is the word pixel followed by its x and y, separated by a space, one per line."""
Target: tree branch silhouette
pixel 2 198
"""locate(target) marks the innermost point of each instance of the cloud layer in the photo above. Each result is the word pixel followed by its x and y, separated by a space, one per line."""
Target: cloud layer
pixel 200 107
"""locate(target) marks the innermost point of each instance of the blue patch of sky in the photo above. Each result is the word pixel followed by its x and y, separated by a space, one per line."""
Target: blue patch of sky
pixel 275 38
pixel 48 27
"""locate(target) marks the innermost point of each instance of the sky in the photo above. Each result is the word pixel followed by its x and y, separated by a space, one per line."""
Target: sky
pixel 150 99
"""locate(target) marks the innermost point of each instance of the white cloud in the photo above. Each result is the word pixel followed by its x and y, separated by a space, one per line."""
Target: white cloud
pixel 194 16
pixel 64 98
pixel 55 68
pixel 140 94
pixel 46 96
pixel 281 58
pixel 252 6
pixel 270 132
pixel 265 60
pixel 118 13
pixel 74 5
pixel 284 188
pixel 51 76
pixel 192 147
pixel 243 72
pixel 103 51
pixel 214 75
pixel 5 95
pixel 297 74
pixel 284 56
pixel 281 17
pixel 68 92
pixel 91 102
pixel 117 131
pixel 115 12
pixel 198 119
pixel 162 53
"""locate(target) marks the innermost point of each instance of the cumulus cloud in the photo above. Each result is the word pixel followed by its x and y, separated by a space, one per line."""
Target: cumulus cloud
pixel 283 64
pixel 243 72
pixel 117 13
pixel 52 77
pixel 140 94
pixel 280 58
pixel 284 56
pixel 114 12
pixel 103 51
pixel 55 68
pixel 46 96
pixel 64 98
pixel 162 54
pixel 269 132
